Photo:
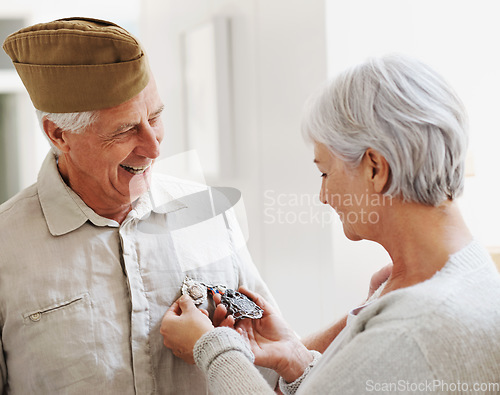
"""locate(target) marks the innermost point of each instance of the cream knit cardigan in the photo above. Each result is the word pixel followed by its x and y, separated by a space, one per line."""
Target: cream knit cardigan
pixel 439 336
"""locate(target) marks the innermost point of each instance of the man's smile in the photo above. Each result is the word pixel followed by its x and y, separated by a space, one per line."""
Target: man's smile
pixel 136 170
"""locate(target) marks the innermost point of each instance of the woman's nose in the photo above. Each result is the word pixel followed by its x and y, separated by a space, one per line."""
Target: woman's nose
pixel 323 195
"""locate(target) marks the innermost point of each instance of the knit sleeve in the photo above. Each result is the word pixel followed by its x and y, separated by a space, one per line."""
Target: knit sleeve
pixel 291 388
pixel 378 360
pixel 227 362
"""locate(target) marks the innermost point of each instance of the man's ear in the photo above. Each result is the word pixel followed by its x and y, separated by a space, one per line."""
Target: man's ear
pixel 378 170
pixel 56 135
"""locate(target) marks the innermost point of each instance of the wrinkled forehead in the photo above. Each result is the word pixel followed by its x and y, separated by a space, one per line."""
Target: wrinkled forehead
pixel 146 105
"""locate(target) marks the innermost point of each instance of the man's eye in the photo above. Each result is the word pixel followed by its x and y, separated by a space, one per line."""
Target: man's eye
pixel 152 121
pixel 120 136
pixel 126 132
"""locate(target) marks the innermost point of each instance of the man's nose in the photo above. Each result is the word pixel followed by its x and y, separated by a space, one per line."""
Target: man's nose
pixel 149 145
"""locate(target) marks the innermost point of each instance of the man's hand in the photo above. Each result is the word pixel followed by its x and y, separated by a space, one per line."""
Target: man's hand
pixel 273 343
pixel 182 325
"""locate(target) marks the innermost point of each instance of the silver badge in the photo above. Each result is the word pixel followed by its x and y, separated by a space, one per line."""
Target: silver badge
pixel 240 306
pixel 237 304
pixel 195 289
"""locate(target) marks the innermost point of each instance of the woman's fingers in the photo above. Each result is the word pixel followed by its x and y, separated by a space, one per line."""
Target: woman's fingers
pixel 229 321
pixel 186 304
pixel 219 315
pixel 257 299
pixel 174 309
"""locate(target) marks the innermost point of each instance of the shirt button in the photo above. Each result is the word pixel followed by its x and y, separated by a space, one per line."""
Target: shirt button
pixel 35 317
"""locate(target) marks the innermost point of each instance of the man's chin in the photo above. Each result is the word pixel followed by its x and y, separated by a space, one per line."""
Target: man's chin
pixel 138 186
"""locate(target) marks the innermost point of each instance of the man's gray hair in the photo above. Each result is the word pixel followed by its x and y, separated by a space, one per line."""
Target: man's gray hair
pixel 402 109
pixel 74 122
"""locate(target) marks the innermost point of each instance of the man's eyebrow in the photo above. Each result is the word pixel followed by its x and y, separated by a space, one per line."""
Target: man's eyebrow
pixel 130 125
pixel 157 112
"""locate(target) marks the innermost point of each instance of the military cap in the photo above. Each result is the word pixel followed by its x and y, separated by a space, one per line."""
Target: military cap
pixel 78 64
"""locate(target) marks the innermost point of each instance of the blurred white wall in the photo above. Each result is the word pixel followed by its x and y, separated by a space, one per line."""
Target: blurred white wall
pixel 278 57
pixel 124 12
pixel 280 51
pixel 459 39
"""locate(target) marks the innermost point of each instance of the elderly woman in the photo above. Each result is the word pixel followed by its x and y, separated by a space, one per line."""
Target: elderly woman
pixel 390 134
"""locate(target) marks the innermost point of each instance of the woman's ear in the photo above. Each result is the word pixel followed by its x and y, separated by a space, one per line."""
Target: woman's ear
pixel 378 170
pixel 56 135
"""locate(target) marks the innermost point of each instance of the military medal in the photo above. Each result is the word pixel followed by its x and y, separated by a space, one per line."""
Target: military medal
pixel 196 290
pixel 240 306
pixel 237 304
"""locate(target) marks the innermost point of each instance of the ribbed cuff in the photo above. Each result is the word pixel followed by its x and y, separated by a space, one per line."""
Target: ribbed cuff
pixel 216 342
pixel 291 388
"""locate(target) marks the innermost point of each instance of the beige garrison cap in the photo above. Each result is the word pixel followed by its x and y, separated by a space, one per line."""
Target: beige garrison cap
pixel 78 64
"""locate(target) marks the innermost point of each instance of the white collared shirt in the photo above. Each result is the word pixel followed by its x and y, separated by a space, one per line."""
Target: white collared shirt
pixel 82 297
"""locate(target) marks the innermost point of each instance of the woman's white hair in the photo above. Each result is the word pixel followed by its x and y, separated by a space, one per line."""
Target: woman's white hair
pixel 403 109
pixel 74 122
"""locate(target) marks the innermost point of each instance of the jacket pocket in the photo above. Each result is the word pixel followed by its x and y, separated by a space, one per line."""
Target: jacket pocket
pixel 60 343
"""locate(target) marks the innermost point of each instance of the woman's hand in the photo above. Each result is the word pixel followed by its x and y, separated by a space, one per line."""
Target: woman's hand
pixel 182 325
pixel 272 341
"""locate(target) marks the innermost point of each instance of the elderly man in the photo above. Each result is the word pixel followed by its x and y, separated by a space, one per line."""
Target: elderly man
pixel 83 283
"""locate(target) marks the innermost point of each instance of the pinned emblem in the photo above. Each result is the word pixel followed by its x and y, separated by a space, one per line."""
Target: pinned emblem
pixel 237 304
pixel 195 289
pixel 240 306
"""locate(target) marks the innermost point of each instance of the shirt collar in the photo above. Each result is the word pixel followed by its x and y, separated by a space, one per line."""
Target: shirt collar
pixel 65 211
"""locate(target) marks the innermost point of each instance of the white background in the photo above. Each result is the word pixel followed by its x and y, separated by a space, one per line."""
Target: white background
pixel 281 51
